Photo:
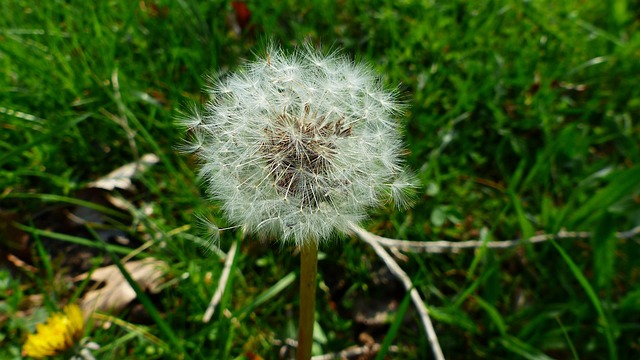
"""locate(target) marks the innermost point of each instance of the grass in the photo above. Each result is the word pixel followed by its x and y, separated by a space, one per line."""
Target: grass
pixel 522 118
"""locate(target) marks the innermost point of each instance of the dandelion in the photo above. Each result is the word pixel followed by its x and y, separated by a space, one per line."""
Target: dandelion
pixel 61 332
pixel 299 146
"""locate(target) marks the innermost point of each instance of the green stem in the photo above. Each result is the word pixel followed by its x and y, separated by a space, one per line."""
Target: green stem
pixel 308 271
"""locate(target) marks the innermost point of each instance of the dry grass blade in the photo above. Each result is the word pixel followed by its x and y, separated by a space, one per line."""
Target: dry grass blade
pixel 408 284
pixel 222 284
pixel 457 246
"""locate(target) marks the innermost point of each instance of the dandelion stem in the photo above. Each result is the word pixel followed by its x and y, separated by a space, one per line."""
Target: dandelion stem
pixel 308 271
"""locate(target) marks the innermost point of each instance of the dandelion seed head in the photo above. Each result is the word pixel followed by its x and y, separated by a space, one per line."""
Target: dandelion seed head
pixel 299 145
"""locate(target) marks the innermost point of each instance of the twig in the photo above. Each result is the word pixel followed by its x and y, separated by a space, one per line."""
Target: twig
pixel 395 269
pixel 222 284
pixel 629 233
pixel 456 246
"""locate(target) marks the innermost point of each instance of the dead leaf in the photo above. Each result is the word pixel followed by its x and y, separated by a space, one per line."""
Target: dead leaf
pixel 121 177
pixel 375 312
pixel 116 293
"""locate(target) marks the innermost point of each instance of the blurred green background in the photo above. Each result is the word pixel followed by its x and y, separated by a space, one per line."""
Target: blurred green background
pixel 522 120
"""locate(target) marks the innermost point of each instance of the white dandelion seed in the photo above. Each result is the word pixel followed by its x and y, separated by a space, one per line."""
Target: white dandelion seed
pixel 300 145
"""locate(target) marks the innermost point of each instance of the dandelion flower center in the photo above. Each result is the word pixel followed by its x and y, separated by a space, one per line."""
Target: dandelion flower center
pixel 299 152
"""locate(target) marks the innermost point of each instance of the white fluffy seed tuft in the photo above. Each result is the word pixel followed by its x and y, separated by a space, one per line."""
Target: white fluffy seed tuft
pixel 298 146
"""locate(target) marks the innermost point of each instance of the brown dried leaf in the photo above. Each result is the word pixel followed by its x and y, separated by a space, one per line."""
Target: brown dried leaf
pixel 116 292
pixel 121 177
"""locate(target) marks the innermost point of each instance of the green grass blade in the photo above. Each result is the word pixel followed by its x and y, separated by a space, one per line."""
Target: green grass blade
pixel 569 342
pixel 591 294
pixel 74 239
pixel 604 252
pixel 526 228
pixel 50 300
pixel 485 236
pixel 473 287
pixel 268 294
pixel 43 138
pixel 522 349
pixel 622 185
pixel 395 326
pixel 494 315
pixel 68 200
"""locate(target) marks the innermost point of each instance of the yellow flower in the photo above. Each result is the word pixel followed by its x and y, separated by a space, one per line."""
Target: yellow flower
pixel 60 333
